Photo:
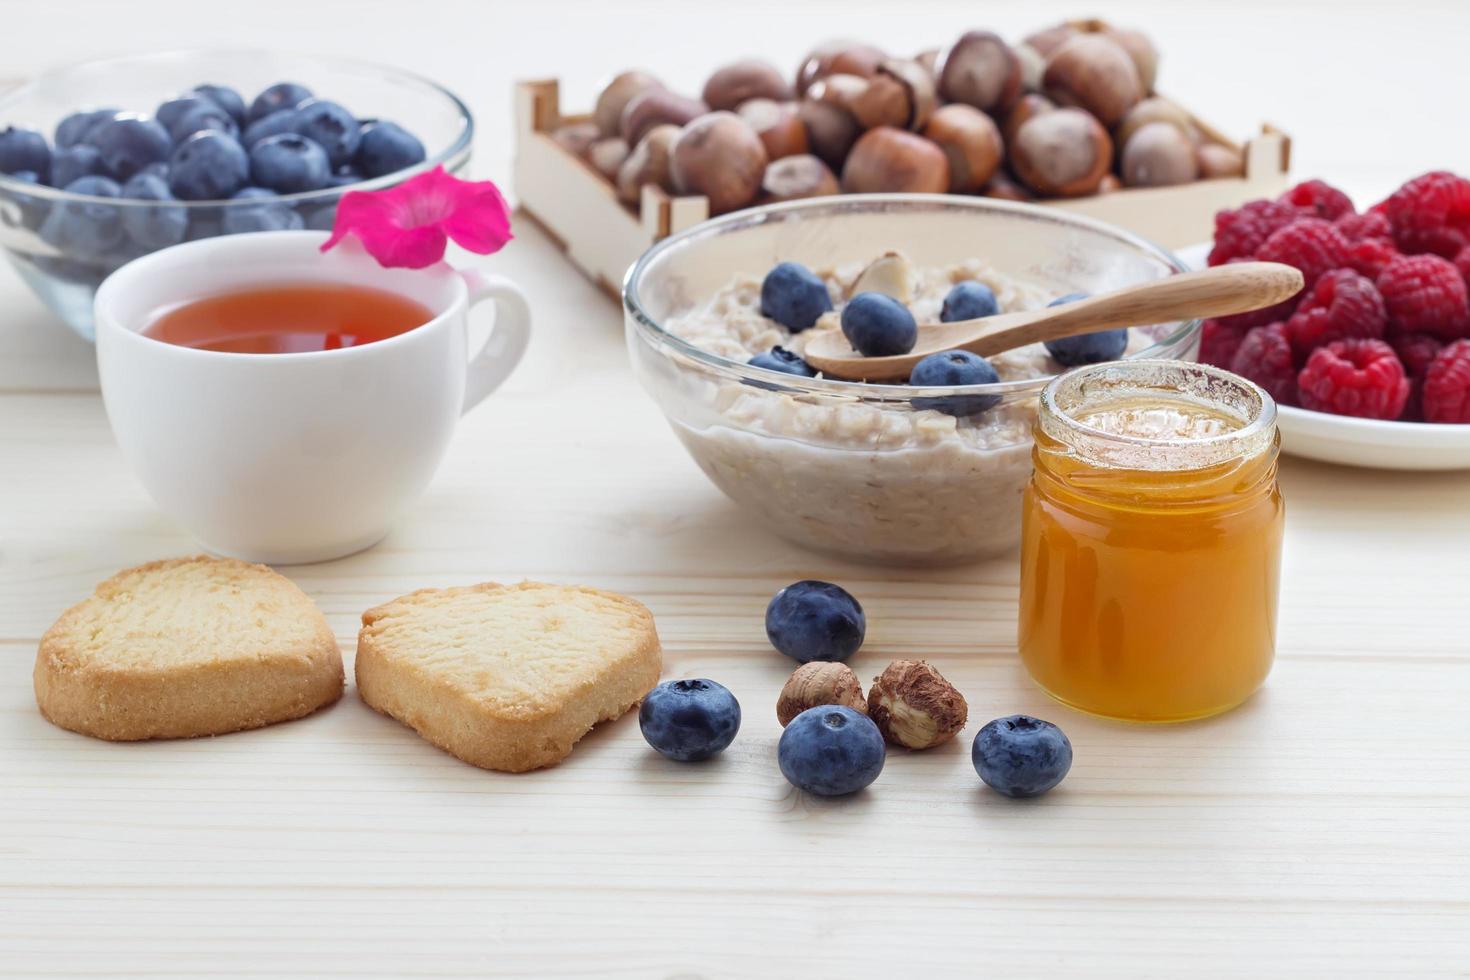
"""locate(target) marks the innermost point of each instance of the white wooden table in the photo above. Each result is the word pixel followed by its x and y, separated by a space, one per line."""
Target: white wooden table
pixel 1319 830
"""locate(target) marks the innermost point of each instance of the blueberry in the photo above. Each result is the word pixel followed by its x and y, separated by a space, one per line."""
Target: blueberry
pixel 32 209
pixel 289 163
pixel 345 177
pixel 85 228
pixel 831 750
pixel 793 296
pixel 785 361
pixel 1021 756
pixel 811 620
pixel 689 721
pixel 950 369
pixel 877 325
pixel 969 300
pixel 226 98
pixel 153 226
pixel 274 124
pixel 173 110
pixel 75 127
pixel 208 166
pixel 204 116
pixel 75 162
pixel 262 217
pixel 130 143
pixel 282 95
pixel 332 127
pixel 1087 348
pixel 24 149
pixel 386 148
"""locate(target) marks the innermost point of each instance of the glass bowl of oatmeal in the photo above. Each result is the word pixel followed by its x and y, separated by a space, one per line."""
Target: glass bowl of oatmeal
pixel 872 472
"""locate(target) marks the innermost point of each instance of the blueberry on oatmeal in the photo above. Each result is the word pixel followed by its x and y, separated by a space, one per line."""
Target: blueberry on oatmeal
pixel 878 325
pixel 785 361
pixel 969 300
pixel 793 296
pixel 950 369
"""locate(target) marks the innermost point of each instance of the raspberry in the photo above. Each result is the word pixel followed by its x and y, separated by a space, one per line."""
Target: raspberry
pixel 1425 294
pixel 1462 262
pixel 1264 357
pixel 1431 213
pixel 1447 385
pixel 1312 245
pixel 1416 351
pixel 1354 377
pixel 1369 256
pixel 1218 342
pixel 1321 198
pixel 1341 306
pixel 1240 232
pixel 1369 224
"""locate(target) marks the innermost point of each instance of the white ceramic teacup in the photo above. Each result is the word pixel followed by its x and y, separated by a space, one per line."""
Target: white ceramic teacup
pixel 288 458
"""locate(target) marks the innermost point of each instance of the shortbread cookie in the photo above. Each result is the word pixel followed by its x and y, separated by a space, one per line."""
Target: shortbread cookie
pixel 507 677
pixel 186 647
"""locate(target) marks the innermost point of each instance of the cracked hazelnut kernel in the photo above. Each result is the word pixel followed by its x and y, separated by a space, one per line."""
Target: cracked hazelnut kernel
pixel 914 706
pixel 817 683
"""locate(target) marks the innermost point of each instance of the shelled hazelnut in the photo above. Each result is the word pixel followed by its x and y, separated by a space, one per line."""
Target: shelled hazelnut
pixel 888 159
pixel 793 178
pixel 914 706
pixel 1155 109
pixel 577 138
pixel 1063 153
pixel 1216 160
pixel 900 93
pixel 1145 56
pixel 981 70
pixel 607 155
pixel 1030 104
pixel 1096 74
pixel 1158 155
pixel 648 163
pixel 778 125
pixel 744 80
pixel 657 107
pixel 720 156
pixel 616 95
pixel 818 683
pixel 837 57
pixel 971 142
pixel 830 129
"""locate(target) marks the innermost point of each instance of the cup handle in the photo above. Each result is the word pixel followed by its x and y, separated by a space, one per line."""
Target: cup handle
pixel 489 368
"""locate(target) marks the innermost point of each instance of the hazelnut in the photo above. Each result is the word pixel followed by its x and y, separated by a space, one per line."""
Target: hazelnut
pixel 1217 160
pixel 1109 183
pixel 778 125
pixel 971 141
pixel 1145 56
pixel 1095 74
pixel 577 138
pixel 840 90
pixel 656 107
pixel 794 178
pixel 719 155
pixel 1003 188
pixel 1046 41
pixel 891 159
pixel 981 70
pixel 1062 153
pixel 818 683
pixel 743 81
pixel 648 163
pixel 838 57
pixel 914 706
pixel 616 95
pixel 1031 104
pixel 1033 66
pixel 830 129
pixel 607 156
pixel 1155 109
pixel 1158 155
pixel 900 94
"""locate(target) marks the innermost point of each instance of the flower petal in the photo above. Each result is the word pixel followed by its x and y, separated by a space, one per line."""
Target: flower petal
pixel 408 226
pixel 481 222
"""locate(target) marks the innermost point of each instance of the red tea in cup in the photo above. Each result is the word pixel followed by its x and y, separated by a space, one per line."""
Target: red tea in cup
pixel 288 319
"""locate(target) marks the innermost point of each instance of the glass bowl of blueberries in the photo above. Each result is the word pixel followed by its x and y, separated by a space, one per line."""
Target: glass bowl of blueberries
pixel 106 161
pixel 925 473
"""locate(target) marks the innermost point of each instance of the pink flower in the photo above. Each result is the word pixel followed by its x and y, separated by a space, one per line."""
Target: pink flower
pixel 409 226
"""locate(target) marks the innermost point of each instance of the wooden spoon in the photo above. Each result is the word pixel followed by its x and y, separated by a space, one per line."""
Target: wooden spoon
pixel 1235 288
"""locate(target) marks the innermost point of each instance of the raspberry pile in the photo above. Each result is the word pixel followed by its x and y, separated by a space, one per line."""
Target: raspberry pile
pixel 1381 329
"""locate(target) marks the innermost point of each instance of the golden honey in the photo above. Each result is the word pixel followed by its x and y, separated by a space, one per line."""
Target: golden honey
pixel 1151 541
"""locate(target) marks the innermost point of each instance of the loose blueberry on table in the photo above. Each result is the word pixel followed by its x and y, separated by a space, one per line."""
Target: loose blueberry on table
pixel 831 750
pixel 689 720
pixel 1020 756
pixel 811 620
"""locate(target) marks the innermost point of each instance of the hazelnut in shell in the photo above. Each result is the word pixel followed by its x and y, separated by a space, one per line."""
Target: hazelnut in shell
pixel 720 156
pixel 970 141
pixel 981 70
pixel 901 94
pixel 1031 104
pixel 888 159
pixel 648 163
pixel 1003 188
pixel 607 156
pixel 1096 74
pixel 1048 39
pixel 1155 109
pixel 831 130
pixel 656 107
pixel 914 706
pixel 577 138
pixel 1063 153
pixel 793 178
pixel 818 683
pixel 1158 155
pixel 778 125
pixel 838 57
pixel 743 81
pixel 616 95
pixel 1145 56
pixel 1216 160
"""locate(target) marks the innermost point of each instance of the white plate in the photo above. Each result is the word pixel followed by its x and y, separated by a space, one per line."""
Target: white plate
pixel 1362 442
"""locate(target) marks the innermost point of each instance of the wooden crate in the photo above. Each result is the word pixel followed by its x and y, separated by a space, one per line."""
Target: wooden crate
pixel 602 236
